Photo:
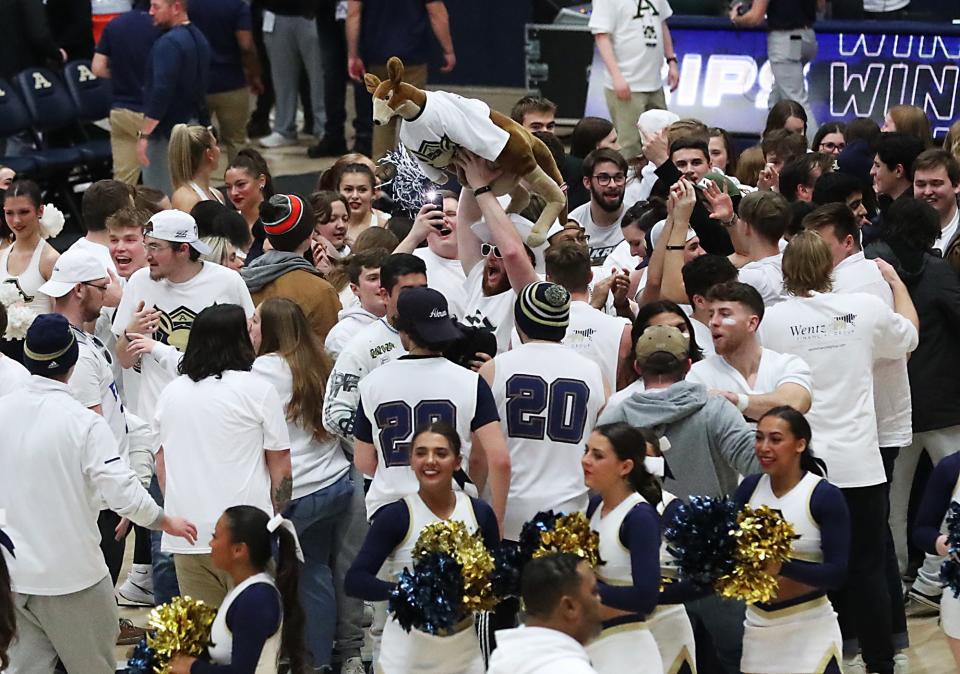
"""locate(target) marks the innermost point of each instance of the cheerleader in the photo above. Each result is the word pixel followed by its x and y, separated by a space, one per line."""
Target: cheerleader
pixel 797 633
pixel 942 489
pixel 388 548
pixel 624 516
pixel 260 618
pixel 670 624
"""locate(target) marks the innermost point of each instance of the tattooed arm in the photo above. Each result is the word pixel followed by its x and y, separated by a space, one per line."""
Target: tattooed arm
pixel 281 478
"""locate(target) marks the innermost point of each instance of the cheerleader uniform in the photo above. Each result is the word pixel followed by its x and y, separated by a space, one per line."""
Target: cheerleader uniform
pixel 245 636
pixel 670 624
pixel 629 580
pixel 942 489
pixel 800 635
pixel 28 282
pixel 388 548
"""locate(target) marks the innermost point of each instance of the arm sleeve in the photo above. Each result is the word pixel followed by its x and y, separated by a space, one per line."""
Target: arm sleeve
pixel 253 617
pixel 362 430
pixel 829 510
pixel 611 415
pixel 489 529
pixel 244 21
pixel 342 394
pixel 601 20
pixel 894 335
pixel 275 432
pixel 486 406
pixel 166 59
pixel 935 503
pixel 387 530
pixel 640 534
pixel 103 45
pixel 85 383
pixel 114 479
pixel 947 295
pixel 735 439
pixel 796 371
pixel 167 357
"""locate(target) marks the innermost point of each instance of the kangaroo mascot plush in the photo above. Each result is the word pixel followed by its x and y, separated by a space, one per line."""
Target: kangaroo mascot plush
pixel 436 123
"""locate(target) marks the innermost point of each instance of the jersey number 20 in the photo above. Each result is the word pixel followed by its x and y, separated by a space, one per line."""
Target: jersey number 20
pixel 536 409
pixel 397 421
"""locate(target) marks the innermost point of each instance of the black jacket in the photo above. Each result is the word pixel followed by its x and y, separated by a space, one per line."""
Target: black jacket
pixel 25 37
pixel 934 368
pixel 713 237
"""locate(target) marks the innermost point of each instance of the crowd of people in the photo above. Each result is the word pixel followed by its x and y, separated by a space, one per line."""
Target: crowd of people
pixel 278 392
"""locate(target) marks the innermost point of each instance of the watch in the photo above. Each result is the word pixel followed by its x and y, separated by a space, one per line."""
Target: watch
pixel 482 190
pixel 671 59
pixel 669 247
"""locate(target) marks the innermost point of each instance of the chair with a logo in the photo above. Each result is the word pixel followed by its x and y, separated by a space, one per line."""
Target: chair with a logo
pixel 55 120
pixel 93 97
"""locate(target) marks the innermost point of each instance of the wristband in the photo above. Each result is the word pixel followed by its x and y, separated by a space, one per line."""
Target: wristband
pixel 141 134
pixel 671 59
pixel 482 190
pixel 669 247
pixel 729 223
pixel 743 401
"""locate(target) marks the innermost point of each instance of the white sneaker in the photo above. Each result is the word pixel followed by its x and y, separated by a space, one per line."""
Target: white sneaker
pixel 367 615
pixel 854 666
pixel 353 666
pixel 137 589
pixel 277 140
pixel 901 664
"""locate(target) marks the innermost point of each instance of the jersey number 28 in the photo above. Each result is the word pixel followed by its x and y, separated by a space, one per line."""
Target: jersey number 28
pixel 397 421
pixel 536 409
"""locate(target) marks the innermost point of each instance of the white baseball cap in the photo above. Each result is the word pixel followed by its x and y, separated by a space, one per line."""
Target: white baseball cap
pixel 653 121
pixel 177 227
pixel 73 267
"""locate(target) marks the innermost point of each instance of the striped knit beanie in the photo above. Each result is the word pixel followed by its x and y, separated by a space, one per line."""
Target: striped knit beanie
pixel 542 311
pixel 287 220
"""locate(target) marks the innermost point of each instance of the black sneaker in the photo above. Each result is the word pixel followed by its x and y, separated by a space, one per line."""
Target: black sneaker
pixel 327 147
pixel 929 601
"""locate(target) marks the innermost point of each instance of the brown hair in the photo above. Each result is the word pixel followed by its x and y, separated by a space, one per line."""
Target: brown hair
pixel 749 165
pixel 330 179
pixel 785 144
pixel 284 330
pixel 937 158
pixel 128 217
pixel 375 237
pixel 838 217
pixel 951 142
pixel 148 199
pixel 767 213
pixel 687 127
pixel 568 265
pixel 912 120
pixel 807 265
pixel 322 203
pixel 529 104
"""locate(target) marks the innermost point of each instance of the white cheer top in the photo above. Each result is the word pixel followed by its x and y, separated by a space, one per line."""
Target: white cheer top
pixel 794 506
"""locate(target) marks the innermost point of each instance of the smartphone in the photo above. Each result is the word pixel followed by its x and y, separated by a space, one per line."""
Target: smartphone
pixel 434 198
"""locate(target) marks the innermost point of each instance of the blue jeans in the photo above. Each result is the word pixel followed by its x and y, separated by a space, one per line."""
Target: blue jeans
pixel 318 519
pixel 165 585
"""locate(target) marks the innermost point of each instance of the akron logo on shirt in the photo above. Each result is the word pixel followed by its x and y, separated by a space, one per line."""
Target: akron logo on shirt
pixel 839 326
pixel 436 153
pixel 174 328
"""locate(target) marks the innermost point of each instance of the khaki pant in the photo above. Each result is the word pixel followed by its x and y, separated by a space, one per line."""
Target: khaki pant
pixel 624 115
pixel 79 628
pixel 198 579
pixel 232 110
pixel 124 127
pixel 385 137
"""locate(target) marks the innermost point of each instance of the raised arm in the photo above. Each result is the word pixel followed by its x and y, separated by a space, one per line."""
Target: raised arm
pixel 468 243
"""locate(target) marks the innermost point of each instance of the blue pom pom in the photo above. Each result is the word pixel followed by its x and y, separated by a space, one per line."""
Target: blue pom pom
pixel 700 538
pixel 950 569
pixel 429 599
pixel 508 562
pixel 141 661
pixel 531 532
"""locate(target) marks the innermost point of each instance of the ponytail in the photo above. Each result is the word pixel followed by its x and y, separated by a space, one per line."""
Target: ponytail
pixel 248 525
pixel 629 443
pixel 187 147
pixel 800 428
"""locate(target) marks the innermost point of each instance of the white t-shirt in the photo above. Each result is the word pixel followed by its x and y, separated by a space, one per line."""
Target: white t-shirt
pixel 491 311
pixel 179 304
pixel 92 384
pixel 840 337
pixel 603 239
pixel 948 233
pixel 701 332
pixel 98 250
pixel 548 412
pixel 597 336
pixel 616 399
pixel 447 122
pixel 891 384
pixel 619 258
pixel 350 321
pixel 446 277
pixel 316 463
pixel 214 433
pixel 766 276
pixel 13 376
pixel 636 29
pixel 775 370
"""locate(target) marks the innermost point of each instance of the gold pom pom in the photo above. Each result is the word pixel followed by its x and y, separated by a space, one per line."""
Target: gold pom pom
pixel 475 560
pixel 182 625
pixel 763 538
pixel 572 533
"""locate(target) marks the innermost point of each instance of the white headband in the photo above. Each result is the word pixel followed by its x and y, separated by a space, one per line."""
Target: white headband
pixel 278 521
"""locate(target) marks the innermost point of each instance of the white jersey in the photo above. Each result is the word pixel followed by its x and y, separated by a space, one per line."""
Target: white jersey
pixel 376 344
pixel 794 507
pixel 446 277
pixel 603 239
pixel 616 568
pixel 489 311
pixel 766 275
pixel 597 336
pixel 446 123
pixel 92 384
pixel 549 398
pixel 404 395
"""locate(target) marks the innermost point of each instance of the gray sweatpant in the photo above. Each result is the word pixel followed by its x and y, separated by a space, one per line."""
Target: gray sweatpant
pixel 789 51
pixel 294 40
pixel 79 628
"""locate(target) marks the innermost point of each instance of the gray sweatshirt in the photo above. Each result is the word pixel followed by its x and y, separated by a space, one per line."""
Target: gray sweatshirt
pixel 710 443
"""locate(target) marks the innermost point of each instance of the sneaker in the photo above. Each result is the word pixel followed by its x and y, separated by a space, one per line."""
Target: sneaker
pixel 901 664
pixel 930 601
pixel 854 666
pixel 277 140
pixel 130 634
pixel 327 147
pixel 353 666
pixel 137 589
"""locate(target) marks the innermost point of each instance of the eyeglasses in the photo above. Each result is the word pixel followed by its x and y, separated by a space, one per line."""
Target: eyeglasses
pixel 487 248
pixel 153 248
pixel 603 179
pixel 831 146
pixel 94 285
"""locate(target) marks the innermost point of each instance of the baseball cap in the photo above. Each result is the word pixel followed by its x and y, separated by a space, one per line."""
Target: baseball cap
pixel 721 179
pixel 73 267
pixel 426 311
pixel 662 339
pixel 176 227
pixel 50 347
pixel 653 121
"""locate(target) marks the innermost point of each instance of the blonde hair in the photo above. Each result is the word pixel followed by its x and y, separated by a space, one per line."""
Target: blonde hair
pixel 220 249
pixel 913 121
pixel 188 145
pixel 951 142
pixel 749 165
pixel 807 265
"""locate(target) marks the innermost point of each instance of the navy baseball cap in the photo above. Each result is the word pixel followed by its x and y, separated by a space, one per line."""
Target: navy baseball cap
pixel 50 348
pixel 425 309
